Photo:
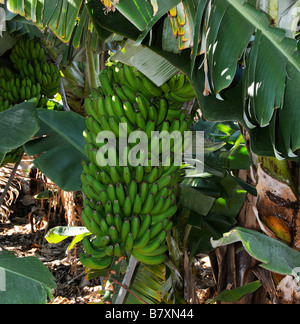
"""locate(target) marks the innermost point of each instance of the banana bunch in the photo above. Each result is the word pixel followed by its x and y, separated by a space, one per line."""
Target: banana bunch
pixel 29 58
pixel 29 76
pixel 129 209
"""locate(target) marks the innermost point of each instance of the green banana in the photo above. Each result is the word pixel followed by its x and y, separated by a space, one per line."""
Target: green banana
pixel 118 222
pixel 114 175
pixel 152 176
pixel 114 234
pixel 159 251
pixel 156 229
pixel 150 127
pixel 108 102
pixel 119 92
pixel 129 242
pixel 116 207
pixel 167 214
pixel 120 193
pixel 118 250
pixel 139 174
pixel 140 121
pixel 135 226
pixel 145 224
pixel 148 205
pixel 111 192
pixel 127 175
pixel 95 229
pixel 143 241
pixel 110 220
pixel 144 189
pixel 126 227
pixel 105 83
pixel 127 209
pixel 142 105
pixel 151 87
pixel 137 205
pixel 104 226
pixel 101 241
pixel 130 77
pixel 129 111
pixel 109 251
pixel 129 93
pixel 158 206
pixel 118 106
pixel 149 248
pixel 150 260
pixel 100 106
pixel 92 263
pixel 108 208
pixel 89 249
pixel 163 111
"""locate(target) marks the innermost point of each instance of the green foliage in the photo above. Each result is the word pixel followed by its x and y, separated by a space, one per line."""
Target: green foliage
pixel 27 280
pixel 210 202
pixel 60 146
pixel 21 123
pixel 274 255
pixel 234 295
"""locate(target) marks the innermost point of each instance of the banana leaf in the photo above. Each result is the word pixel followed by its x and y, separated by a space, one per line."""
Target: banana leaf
pixel 274 255
pixel 236 294
pixel 60 146
pixel 67 19
pixel 17 126
pixel 24 280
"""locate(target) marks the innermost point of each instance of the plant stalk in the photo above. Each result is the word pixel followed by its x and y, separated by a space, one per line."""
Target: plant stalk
pixel 127 280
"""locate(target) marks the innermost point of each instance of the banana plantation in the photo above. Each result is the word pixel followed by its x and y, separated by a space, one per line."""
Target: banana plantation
pixel 150 153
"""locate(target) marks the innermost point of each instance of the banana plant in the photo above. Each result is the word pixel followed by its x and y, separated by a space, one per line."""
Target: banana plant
pixel 237 45
pixel 241 57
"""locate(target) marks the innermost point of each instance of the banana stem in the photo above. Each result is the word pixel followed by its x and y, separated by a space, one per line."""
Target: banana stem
pixel 91 81
pixel 127 280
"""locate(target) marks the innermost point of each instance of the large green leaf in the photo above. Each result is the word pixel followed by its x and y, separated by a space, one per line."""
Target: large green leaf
pixel 141 13
pixel 266 88
pixel 60 146
pixel 17 126
pixel 25 280
pixel 274 255
pixel 59 16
